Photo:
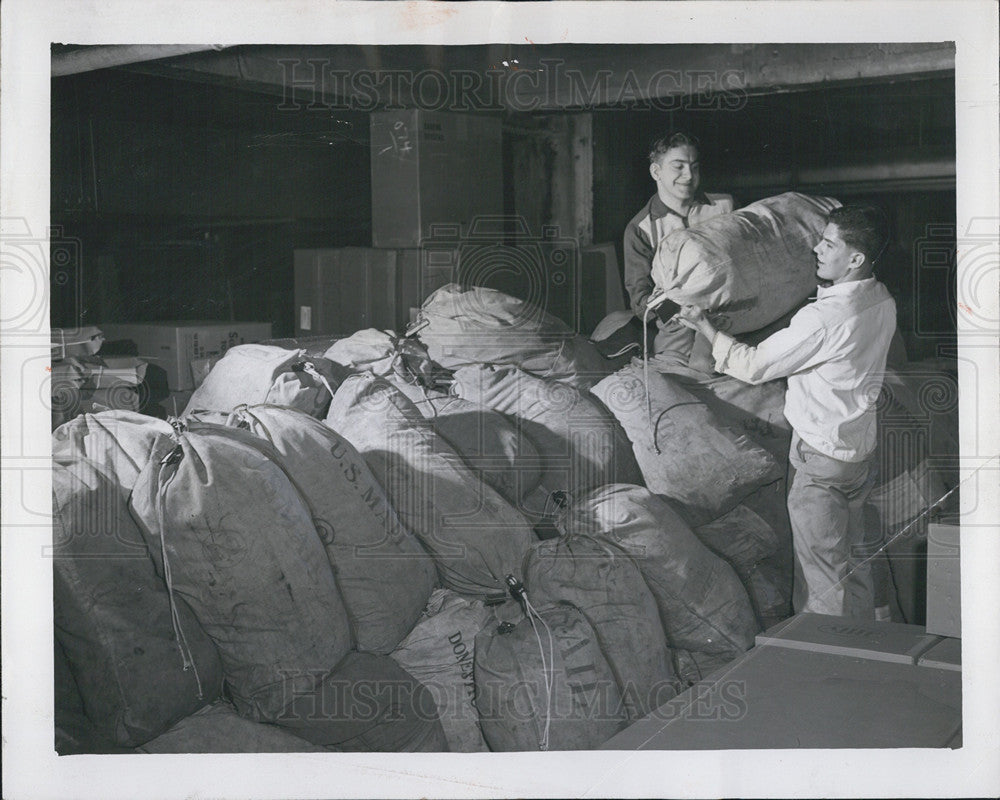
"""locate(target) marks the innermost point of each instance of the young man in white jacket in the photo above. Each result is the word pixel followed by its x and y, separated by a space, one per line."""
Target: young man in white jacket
pixel 833 354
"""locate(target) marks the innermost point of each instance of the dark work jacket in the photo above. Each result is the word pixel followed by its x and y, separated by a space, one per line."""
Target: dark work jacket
pixel 641 239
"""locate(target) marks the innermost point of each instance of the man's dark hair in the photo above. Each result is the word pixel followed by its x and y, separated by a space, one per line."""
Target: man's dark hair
pixel 664 143
pixel 864 228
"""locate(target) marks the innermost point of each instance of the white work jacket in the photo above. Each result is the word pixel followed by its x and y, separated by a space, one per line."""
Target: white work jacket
pixel 833 353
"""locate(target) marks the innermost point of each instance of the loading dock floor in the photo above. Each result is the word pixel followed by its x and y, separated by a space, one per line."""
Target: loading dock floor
pixel 833 692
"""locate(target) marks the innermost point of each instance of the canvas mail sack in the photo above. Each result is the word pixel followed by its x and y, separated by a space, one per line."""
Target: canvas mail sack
pixel 383 574
pixel 463 326
pixel 234 539
pixel 747 268
pixel 684 450
pixel 385 354
pixel 218 728
pixel 580 444
pixel 114 618
pixel 475 536
pixel 703 605
pixel 757 411
pixel 74 732
pixel 741 537
pixel 544 684
pixel 367 704
pixel 605 585
pixel 118 443
pixel 259 373
pixel 488 442
pixel 440 653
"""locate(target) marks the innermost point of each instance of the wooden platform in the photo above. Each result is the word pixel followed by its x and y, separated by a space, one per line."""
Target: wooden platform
pixel 946 654
pixel 777 696
pixel 881 641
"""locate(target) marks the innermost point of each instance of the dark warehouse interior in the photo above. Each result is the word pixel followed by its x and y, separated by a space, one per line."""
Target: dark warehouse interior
pixel 188 185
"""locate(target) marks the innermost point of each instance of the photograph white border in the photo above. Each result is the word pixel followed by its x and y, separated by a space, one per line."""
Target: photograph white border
pixel 30 765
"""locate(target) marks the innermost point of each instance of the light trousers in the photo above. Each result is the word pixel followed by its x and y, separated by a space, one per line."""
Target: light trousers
pixel 832 547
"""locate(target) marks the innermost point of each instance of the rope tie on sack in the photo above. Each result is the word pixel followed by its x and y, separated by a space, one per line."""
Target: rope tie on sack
pixel 187 659
pixel 662 414
pixel 548 671
pixel 234 417
pixel 427 399
pixel 560 498
pixel 244 412
pixel 309 368
pixel 469 579
pixel 556 359
pixel 548 667
pixel 421 322
pixel 402 369
pixel 397 365
pixel 645 378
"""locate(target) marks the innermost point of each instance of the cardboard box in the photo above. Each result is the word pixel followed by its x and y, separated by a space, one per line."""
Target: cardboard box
pixel 431 168
pixel 174 345
pixel 944 591
pixel 341 290
pixel 66 343
pixel 88 384
pixel 876 641
pixel 95 372
pixel 200 367
pixel 110 371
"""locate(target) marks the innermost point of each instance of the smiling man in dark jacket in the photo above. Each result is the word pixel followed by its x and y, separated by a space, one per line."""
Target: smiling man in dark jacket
pixel 678 203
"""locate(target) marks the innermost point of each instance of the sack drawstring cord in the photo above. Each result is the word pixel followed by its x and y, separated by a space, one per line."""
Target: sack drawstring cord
pixel 175 455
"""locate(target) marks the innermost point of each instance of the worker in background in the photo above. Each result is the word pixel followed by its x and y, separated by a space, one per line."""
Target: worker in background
pixel 678 203
pixel 833 353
